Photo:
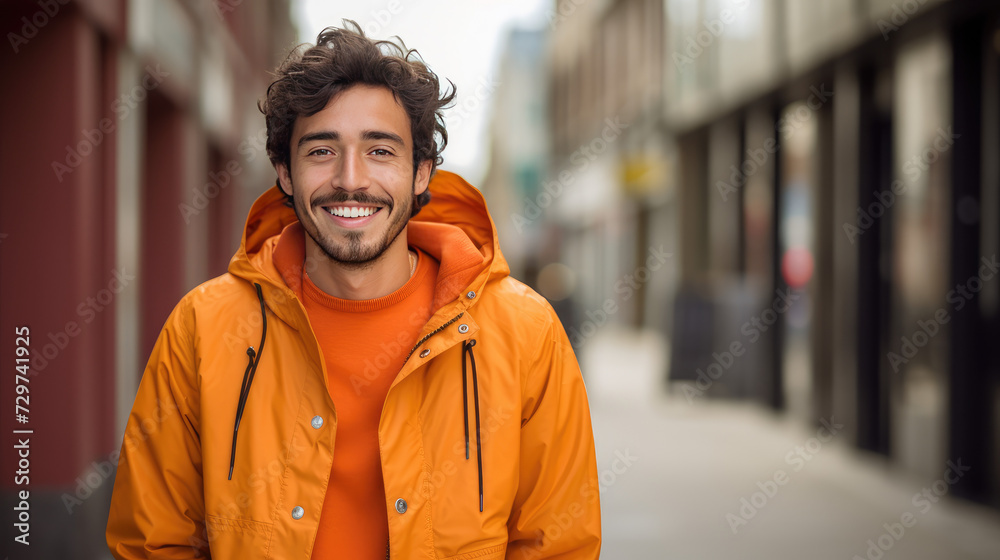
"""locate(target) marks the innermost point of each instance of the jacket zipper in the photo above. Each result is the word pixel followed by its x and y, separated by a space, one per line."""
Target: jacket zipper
pixel 430 334
pixel 412 350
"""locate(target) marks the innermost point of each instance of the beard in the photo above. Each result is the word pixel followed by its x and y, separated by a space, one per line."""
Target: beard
pixel 354 251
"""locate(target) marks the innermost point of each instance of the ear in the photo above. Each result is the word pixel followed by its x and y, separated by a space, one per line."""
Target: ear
pixel 423 177
pixel 284 179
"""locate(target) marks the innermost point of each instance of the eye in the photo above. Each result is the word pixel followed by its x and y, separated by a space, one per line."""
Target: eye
pixel 320 152
pixel 382 152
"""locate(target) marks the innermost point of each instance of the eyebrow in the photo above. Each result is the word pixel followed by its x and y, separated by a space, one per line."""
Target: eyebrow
pixel 365 135
pixel 382 135
pixel 323 135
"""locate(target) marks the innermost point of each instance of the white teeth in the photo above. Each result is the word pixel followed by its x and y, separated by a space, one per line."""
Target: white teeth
pixel 351 211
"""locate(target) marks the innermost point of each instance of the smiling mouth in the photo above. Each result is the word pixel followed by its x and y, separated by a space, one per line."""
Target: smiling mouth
pixel 352 211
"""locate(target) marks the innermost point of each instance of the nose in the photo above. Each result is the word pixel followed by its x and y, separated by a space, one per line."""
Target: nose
pixel 352 172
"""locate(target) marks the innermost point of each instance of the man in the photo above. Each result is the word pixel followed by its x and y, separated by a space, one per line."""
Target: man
pixel 365 382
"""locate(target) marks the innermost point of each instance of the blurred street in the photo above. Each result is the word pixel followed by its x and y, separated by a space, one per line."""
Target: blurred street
pixel 690 465
pixel 769 228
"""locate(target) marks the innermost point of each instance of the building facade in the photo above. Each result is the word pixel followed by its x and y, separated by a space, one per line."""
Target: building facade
pixel 842 155
pixel 132 149
pixel 612 160
pixel 825 173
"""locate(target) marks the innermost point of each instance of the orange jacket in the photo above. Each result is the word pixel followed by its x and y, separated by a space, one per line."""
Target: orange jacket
pixel 523 485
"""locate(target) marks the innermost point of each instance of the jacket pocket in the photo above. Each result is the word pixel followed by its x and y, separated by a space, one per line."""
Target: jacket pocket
pixel 237 538
pixel 495 552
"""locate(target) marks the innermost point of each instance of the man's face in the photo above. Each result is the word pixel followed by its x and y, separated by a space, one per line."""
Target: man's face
pixel 352 174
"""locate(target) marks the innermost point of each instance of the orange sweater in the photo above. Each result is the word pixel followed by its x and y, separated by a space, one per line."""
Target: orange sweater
pixel 364 344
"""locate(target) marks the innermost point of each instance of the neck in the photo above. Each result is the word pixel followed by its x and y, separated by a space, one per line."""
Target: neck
pixel 379 278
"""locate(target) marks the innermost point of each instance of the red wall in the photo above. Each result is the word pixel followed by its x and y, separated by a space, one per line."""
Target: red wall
pixel 162 224
pixel 59 244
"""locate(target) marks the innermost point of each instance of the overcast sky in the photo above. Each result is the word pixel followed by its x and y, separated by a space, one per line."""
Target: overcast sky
pixel 460 41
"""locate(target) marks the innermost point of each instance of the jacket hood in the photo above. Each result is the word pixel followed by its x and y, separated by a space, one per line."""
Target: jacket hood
pixel 523 417
pixel 455 228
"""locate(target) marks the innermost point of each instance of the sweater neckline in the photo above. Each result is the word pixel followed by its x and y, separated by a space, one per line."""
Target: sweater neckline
pixel 318 296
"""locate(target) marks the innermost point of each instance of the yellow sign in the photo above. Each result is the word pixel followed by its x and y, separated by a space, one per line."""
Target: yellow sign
pixel 642 175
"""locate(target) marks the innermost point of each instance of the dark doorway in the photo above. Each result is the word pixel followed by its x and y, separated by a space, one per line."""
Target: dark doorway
pixel 875 147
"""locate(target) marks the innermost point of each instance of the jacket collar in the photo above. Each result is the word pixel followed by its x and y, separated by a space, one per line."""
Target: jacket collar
pixel 455 228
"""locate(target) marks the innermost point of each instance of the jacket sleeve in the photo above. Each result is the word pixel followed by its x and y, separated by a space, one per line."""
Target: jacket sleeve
pixel 557 513
pixel 157 508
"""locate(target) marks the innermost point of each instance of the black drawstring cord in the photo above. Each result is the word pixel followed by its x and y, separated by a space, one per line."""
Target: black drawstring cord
pixel 467 349
pixel 248 378
pixel 465 400
pixel 239 408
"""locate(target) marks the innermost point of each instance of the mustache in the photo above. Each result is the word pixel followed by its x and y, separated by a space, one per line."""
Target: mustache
pixel 358 197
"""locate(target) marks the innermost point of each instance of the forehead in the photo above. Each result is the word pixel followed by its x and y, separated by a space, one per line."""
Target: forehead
pixel 359 108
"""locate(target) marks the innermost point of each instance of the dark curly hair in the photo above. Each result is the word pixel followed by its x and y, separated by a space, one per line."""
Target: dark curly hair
pixel 311 75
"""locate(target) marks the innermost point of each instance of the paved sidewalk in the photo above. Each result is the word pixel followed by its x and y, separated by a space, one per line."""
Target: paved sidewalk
pixel 714 480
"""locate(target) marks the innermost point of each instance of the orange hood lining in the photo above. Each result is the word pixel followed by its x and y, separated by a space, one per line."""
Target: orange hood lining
pixel 455 228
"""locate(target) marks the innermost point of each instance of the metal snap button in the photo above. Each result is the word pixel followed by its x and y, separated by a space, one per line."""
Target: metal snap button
pixel 298 512
pixel 425 353
pixel 401 505
pixel 470 295
pixel 317 422
pixel 463 328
